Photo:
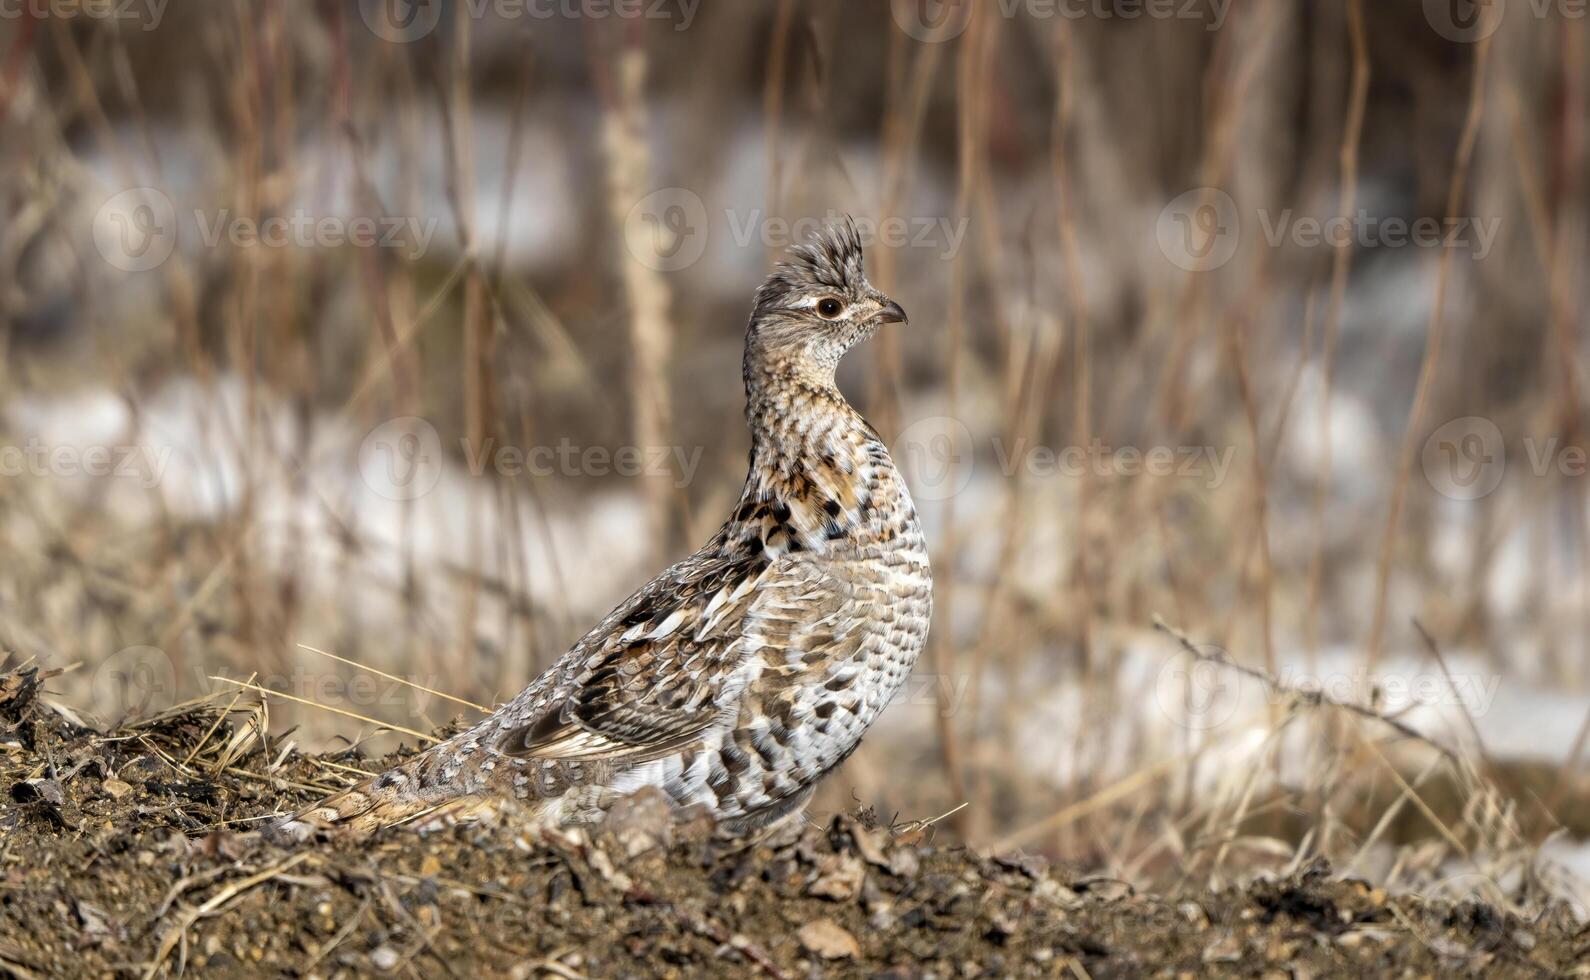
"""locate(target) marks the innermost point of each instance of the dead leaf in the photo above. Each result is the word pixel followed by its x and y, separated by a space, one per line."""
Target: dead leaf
pixel 838 878
pixel 1224 948
pixel 97 926
pixel 869 844
pixel 829 940
pixel 33 790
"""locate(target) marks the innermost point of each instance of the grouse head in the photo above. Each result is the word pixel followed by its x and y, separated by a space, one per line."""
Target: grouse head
pixel 815 306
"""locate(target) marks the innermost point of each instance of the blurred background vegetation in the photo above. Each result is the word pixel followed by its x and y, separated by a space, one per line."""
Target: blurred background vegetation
pixel 412 332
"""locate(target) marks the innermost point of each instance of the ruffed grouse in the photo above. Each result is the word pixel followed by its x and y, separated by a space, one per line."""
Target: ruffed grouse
pixel 738 677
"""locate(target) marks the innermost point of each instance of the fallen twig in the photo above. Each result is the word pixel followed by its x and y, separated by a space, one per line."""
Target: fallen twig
pixel 217 900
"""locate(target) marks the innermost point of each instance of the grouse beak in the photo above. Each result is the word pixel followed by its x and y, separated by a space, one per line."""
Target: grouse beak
pixel 892 313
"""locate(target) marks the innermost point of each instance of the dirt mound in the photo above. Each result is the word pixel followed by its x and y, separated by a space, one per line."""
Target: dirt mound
pixel 129 854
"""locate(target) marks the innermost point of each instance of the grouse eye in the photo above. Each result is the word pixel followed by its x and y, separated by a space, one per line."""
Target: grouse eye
pixel 829 308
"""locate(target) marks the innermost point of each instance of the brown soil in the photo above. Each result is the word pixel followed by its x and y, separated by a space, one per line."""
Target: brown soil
pixel 129 854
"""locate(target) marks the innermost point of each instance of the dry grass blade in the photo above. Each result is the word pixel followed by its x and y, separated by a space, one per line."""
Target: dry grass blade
pixel 267 692
pixel 555 968
pixel 1341 261
pixel 13 965
pixel 1413 432
pixel 352 770
pixel 254 777
pixel 1417 800
pixel 1386 818
pixel 341 935
pixel 917 826
pixel 1110 794
pixel 205 739
pixel 400 680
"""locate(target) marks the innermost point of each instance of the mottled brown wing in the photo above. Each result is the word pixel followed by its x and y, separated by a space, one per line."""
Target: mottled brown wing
pixel 651 676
